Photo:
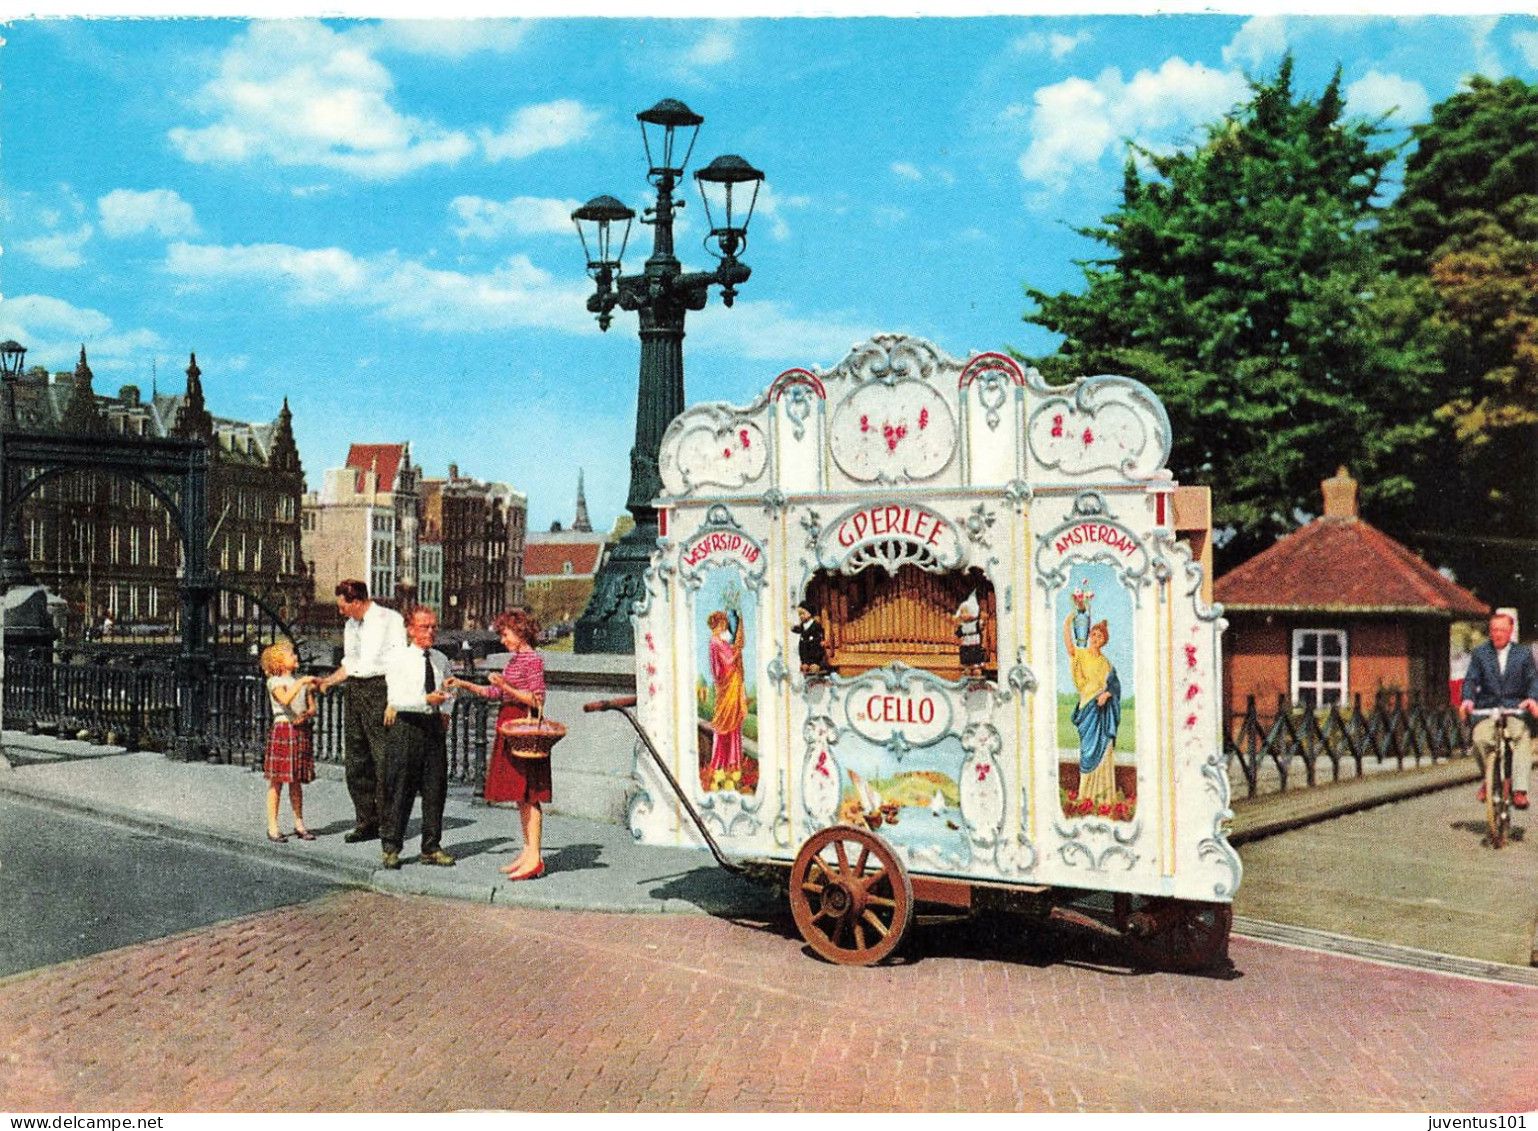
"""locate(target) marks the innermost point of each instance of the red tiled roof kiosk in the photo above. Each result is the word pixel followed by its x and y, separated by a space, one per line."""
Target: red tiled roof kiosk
pixel 1337 609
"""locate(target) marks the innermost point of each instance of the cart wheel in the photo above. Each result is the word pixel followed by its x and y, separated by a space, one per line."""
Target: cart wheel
pixel 850 895
pixel 1179 934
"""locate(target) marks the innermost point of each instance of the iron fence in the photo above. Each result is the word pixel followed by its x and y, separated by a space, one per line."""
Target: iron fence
pixel 136 704
pixel 1267 752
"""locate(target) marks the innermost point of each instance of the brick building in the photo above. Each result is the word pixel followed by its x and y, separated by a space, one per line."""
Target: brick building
pixel 560 567
pixel 1337 609
pixel 363 523
pixel 107 546
pixel 474 533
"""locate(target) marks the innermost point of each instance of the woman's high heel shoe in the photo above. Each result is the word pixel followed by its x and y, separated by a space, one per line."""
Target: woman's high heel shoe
pixel 533 873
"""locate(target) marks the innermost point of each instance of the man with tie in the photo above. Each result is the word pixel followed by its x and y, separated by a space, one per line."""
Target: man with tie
pixel 416 756
pixel 1502 674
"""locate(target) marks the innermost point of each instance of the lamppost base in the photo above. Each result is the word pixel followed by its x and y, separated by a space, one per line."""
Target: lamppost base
pixel 604 626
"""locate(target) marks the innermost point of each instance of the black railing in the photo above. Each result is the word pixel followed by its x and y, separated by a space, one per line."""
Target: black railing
pixel 135 704
pixel 1326 744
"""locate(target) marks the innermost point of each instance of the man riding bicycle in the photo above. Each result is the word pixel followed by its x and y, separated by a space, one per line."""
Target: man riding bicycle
pixel 1502 674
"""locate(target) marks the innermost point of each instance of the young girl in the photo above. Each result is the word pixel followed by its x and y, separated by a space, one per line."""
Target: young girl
pixel 290 749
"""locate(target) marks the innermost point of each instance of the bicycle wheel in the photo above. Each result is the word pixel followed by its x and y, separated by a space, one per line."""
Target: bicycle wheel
pixel 1497 796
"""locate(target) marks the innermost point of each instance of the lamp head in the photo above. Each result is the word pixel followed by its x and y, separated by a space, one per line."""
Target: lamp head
pixel 729 188
pixel 660 128
pixel 596 218
pixel 12 354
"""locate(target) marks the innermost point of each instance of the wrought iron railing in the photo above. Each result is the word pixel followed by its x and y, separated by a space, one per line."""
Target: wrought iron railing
pixel 136 704
pixel 1268 753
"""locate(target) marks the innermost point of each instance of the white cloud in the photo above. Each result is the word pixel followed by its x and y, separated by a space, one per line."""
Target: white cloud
pixel 295 92
pixel 1259 41
pixel 1487 60
pixel 1075 122
pixel 1526 42
pixel 125 212
pixel 447 38
pixel 53 331
pixel 531 129
pixel 771 208
pixel 766 331
pixel 1376 93
pixel 907 171
pixel 716 46
pixel 515 293
pixel 57 249
pixel 1056 44
pixel 484 219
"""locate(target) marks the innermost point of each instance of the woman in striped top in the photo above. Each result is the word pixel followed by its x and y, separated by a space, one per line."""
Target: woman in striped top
pixel 520 688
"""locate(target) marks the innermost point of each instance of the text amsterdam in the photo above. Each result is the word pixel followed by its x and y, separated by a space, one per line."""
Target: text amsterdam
pixel 1100 533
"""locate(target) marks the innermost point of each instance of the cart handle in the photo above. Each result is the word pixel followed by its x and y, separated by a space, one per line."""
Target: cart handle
pixel 623 705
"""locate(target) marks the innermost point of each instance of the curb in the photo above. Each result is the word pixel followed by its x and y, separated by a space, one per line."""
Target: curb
pixel 187 833
pixel 369 874
pixel 1313 804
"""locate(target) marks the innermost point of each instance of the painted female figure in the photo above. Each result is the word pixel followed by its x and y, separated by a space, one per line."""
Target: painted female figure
pixel 731 698
pixel 1098 714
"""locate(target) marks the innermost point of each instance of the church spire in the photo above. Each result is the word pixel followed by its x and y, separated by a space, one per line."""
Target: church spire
pixel 193 420
pixel 581 521
pixel 285 452
pixel 81 415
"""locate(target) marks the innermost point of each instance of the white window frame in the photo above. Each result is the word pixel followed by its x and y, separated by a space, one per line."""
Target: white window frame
pixel 1318 685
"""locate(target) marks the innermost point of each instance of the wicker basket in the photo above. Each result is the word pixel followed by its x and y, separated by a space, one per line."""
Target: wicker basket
pixel 531 737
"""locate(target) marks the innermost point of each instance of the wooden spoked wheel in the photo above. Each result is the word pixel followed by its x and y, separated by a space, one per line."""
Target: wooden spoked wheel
pixel 850 895
pixel 1179 934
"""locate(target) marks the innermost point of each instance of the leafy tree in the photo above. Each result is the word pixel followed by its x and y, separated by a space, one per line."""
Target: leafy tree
pixel 1467 223
pixel 1244 286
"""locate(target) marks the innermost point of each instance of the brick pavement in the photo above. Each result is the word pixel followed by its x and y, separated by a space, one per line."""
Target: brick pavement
pixel 365 1001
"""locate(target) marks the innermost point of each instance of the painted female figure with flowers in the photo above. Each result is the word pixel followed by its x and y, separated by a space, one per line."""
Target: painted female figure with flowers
pixel 731 698
pixel 1098 714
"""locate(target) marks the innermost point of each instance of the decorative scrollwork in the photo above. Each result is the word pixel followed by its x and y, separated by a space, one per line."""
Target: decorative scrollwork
pixel 891 556
pixel 1077 840
pixel 977 524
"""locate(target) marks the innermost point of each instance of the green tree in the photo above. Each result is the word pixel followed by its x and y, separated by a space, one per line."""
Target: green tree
pixel 1466 223
pixel 1244 286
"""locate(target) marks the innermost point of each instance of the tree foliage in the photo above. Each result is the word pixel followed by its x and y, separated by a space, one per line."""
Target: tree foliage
pixel 1467 222
pixel 1244 285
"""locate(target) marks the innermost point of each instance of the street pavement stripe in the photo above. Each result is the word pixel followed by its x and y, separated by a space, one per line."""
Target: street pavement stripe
pixel 1387 953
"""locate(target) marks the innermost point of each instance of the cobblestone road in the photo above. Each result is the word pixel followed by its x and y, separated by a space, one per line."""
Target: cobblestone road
pixel 362 1001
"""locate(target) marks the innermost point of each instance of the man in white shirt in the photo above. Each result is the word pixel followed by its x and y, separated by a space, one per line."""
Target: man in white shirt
pixel 370 634
pixel 416 759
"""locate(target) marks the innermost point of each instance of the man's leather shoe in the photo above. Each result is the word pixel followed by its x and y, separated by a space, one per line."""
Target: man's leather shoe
pixel 357 836
pixel 439 857
pixel 1519 799
pixel 392 861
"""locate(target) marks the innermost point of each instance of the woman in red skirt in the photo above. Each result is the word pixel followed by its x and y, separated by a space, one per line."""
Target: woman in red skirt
pixel 290 747
pixel 520 688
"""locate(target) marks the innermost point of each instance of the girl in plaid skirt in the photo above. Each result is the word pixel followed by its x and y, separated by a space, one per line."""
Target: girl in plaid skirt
pixel 290 748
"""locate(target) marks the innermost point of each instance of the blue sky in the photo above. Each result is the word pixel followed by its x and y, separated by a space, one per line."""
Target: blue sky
pixel 371 217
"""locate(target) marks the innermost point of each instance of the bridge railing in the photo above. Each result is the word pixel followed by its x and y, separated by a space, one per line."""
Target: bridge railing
pixel 137 703
pixel 1297 746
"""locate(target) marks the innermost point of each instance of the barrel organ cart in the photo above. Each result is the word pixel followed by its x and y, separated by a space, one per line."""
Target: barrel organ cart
pixel 920 629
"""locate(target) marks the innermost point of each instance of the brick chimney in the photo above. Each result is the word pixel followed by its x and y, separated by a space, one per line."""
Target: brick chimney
pixel 1339 496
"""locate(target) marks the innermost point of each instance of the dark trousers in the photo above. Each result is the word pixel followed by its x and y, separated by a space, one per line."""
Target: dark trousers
pixel 417 761
pixel 363 750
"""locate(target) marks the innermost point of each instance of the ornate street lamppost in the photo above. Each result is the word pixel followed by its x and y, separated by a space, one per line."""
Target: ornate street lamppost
pixel 660 295
pixel 12 354
pixel 14 570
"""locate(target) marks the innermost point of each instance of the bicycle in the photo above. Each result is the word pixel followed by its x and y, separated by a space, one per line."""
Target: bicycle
pixel 1498 774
